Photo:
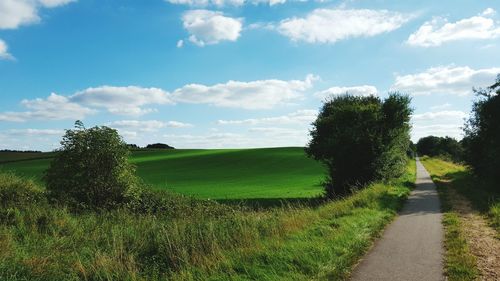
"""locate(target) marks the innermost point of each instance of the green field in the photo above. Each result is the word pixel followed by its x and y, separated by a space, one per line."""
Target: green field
pixel 213 173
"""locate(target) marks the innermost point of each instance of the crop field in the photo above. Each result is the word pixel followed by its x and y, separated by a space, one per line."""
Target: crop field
pixel 211 173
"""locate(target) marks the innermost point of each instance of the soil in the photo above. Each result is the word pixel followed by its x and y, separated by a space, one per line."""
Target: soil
pixel 481 238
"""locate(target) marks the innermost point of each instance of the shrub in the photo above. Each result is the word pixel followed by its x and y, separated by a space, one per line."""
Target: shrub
pixel 482 133
pixel 91 169
pixel 17 192
pixel 361 139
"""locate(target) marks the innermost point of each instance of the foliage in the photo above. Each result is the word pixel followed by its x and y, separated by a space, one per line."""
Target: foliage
pixel 482 133
pixel 197 239
pixel 438 146
pixel 159 146
pixel 284 172
pixel 91 169
pixel 361 139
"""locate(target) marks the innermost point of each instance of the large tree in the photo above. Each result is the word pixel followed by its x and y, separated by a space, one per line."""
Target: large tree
pixel 482 133
pixel 360 139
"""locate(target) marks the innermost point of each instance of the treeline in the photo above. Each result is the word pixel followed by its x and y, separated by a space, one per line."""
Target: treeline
pixel 482 134
pixel 360 140
pixel 480 147
pixel 20 151
pixel 444 147
pixel 151 146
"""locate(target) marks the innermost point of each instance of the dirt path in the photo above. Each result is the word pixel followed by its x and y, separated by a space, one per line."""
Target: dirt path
pixel 411 248
pixel 480 237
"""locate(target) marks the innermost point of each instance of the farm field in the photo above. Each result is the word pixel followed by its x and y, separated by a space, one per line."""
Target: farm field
pixel 212 173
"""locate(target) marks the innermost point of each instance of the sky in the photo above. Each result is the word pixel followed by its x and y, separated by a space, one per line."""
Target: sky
pixel 234 73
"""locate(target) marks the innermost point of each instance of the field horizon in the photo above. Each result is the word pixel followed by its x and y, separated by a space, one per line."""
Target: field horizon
pixel 282 172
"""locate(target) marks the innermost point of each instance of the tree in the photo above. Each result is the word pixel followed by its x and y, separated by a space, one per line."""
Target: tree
pixel 360 139
pixel 482 133
pixel 91 169
pixel 439 146
pixel 159 146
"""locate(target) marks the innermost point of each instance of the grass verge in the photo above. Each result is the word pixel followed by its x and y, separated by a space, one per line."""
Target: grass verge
pixel 460 262
pixel 191 239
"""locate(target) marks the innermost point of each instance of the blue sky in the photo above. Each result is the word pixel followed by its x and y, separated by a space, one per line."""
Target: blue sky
pixel 234 73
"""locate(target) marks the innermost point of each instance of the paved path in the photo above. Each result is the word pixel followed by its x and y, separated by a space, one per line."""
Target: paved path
pixel 411 248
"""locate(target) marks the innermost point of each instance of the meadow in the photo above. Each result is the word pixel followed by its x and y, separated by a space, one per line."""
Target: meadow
pixel 208 173
pixel 191 239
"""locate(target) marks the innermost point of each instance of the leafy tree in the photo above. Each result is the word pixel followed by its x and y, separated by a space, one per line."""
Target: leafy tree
pixel 360 139
pixel 159 146
pixel 482 133
pixel 91 169
pixel 440 146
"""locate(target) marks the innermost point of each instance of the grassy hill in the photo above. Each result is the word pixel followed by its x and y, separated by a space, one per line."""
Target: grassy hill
pixel 212 173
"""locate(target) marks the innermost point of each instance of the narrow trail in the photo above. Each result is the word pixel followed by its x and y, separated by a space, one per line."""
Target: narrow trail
pixel 411 248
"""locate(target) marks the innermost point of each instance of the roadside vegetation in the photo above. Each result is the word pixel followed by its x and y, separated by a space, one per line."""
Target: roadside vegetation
pixel 163 235
pixel 93 218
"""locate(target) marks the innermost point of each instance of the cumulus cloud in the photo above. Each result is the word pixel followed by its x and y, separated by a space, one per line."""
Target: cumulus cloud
pixel 455 80
pixel 439 31
pixel 332 25
pixel 54 107
pixel 439 130
pixel 146 125
pixel 365 90
pixel 440 115
pixel 35 132
pixel 210 27
pixel 220 3
pixel 304 116
pixel 14 13
pixel 122 100
pixel 4 52
pixel 260 94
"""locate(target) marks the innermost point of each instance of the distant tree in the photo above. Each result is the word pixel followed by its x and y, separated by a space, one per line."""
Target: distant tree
pixel 482 133
pixel 91 169
pixel 160 146
pixel 132 146
pixel 440 146
pixel 360 139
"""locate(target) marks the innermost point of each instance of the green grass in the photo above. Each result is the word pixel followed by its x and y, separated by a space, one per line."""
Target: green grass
pixel 216 173
pixel 460 262
pixel 195 240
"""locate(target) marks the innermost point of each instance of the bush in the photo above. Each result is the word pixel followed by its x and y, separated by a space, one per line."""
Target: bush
pixel 17 192
pixel 448 147
pixel 482 133
pixel 91 169
pixel 361 139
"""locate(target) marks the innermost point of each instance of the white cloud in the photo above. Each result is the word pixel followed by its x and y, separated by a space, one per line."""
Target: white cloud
pixel 446 80
pixel 177 124
pixel 305 116
pixel 14 13
pixel 332 25
pixel 441 106
pixel 4 52
pixel 147 125
pixel 54 107
pixel 260 94
pixel 210 27
pixel 365 90
pixel 440 115
pixel 122 100
pixel 221 3
pixel 439 130
pixel 437 32
pixel 180 43
pixel 488 12
pixel 35 132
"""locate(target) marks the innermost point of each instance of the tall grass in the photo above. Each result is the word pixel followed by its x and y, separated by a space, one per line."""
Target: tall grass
pixel 189 239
